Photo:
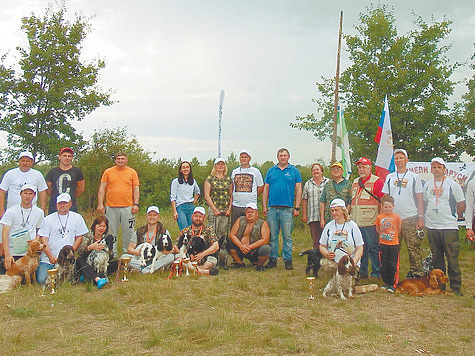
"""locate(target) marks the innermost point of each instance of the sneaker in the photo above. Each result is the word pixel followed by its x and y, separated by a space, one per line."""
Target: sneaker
pixel 260 268
pixel 101 283
pixel 390 289
pixel 81 279
pixel 385 287
pixel 271 264
pixel 288 265
pixel 213 272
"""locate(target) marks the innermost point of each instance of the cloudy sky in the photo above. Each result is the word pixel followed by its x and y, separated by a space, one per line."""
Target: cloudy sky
pixel 168 60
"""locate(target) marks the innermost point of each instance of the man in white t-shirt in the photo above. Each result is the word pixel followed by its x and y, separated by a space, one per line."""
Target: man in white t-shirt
pixel 20 224
pixel 247 186
pixel 16 178
pixel 470 210
pixel 61 228
pixel 406 189
pixel 445 204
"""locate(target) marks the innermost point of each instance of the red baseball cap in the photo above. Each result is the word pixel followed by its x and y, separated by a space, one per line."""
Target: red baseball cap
pixel 66 149
pixel 364 160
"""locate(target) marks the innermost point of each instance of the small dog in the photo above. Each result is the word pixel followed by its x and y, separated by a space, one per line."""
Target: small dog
pixel 99 260
pixel 27 265
pixel 314 256
pixel 223 253
pixel 147 251
pixel 164 242
pixel 196 245
pixel 66 266
pixel 342 281
pixel 430 284
pixel 182 244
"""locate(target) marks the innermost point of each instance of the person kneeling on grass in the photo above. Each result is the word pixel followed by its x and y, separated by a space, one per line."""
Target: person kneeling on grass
pixel 149 233
pixel 250 239
pixel 198 230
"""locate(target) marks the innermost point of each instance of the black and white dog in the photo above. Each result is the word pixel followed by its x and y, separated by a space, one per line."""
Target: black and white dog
pixel 314 256
pixel 196 245
pixel 183 244
pixel 99 260
pixel 149 254
pixel 66 266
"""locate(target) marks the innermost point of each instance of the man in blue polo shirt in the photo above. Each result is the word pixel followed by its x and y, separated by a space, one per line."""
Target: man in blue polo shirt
pixel 283 186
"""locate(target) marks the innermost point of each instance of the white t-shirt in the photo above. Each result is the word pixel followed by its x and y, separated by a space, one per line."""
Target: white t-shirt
pixel 470 204
pixel 348 233
pixel 23 224
pixel 402 187
pixel 245 183
pixel 61 230
pixel 442 214
pixel 14 179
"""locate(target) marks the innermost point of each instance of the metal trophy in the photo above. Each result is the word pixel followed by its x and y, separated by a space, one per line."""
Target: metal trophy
pixel 52 273
pixel 195 267
pixel 186 261
pixel 310 284
pixel 176 266
pixel 123 268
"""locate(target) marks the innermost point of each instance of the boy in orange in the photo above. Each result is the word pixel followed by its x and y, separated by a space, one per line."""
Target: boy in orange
pixel 388 226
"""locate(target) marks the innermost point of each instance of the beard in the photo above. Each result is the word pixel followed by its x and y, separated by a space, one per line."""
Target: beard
pixel 197 223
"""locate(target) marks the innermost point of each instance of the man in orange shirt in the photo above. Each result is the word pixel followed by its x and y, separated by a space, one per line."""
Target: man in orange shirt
pixel 120 185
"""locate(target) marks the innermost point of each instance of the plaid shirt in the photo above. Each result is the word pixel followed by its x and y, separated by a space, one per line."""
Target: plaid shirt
pixel 311 192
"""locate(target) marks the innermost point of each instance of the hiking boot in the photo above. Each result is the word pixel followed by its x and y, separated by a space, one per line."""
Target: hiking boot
pixel 272 263
pixel 260 268
pixel 288 265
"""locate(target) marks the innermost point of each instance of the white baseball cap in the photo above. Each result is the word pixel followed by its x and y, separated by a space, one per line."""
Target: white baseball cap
pixel 199 209
pixel 246 151
pixel 153 208
pixel 337 202
pixel 252 206
pixel 63 198
pixel 28 186
pixel 438 160
pixel 25 154
pixel 401 150
pixel 219 159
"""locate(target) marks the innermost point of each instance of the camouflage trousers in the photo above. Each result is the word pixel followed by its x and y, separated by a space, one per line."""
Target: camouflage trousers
pixel 413 245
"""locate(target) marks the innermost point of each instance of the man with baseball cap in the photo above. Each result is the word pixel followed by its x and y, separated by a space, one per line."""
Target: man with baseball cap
pixel 445 204
pixel 405 187
pixel 247 185
pixel 365 204
pixel 20 224
pixel 337 188
pixel 16 178
pixel 61 228
pixel 65 178
pixel 250 239
pixel 198 230
pixel 150 233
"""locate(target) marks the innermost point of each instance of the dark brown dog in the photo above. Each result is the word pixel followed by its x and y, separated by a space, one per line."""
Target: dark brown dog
pixel 27 265
pixel 430 284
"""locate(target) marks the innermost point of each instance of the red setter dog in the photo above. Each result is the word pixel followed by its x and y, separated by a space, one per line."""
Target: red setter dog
pixel 430 284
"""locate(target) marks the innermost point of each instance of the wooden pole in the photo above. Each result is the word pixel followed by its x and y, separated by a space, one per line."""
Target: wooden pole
pixel 337 81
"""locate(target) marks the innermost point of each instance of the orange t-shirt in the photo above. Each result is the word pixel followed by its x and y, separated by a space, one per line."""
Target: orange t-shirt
pixel 388 226
pixel 120 186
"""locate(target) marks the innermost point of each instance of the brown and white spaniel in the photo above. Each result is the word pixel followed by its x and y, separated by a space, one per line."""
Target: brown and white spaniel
pixel 342 281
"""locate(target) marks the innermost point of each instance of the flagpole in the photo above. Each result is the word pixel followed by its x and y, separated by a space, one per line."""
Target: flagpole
pixel 220 116
pixel 337 80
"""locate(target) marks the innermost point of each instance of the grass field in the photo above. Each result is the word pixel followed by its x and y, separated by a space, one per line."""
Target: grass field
pixel 237 312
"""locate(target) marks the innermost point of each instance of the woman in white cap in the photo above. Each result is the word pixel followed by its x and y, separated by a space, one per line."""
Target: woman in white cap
pixel 218 195
pixel 341 236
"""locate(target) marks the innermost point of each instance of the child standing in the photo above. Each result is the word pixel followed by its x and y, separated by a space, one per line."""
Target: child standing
pixel 388 225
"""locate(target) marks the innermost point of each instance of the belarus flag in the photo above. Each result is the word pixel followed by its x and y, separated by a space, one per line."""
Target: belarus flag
pixel 385 159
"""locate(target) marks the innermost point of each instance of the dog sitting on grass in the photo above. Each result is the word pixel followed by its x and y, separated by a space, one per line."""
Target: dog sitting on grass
pixel 342 281
pixel 66 265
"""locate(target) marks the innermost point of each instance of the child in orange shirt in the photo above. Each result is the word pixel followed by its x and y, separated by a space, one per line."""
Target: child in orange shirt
pixel 388 226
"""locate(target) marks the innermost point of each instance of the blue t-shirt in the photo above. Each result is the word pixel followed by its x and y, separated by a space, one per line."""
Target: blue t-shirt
pixel 282 185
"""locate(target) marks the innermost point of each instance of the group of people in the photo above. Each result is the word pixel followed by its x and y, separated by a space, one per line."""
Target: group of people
pixel 383 214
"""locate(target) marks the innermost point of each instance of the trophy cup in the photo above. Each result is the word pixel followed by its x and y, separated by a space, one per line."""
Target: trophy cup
pixel 186 261
pixel 52 273
pixel 195 267
pixel 123 268
pixel 310 283
pixel 176 266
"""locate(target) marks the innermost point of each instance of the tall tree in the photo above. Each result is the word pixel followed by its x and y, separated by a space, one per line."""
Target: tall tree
pixel 50 87
pixel 414 71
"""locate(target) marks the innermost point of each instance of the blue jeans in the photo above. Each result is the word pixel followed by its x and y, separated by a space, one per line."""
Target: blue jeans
pixel 42 272
pixel 184 215
pixel 371 248
pixel 280 219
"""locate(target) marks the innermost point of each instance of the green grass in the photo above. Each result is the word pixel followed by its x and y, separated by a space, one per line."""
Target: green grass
pixel 237 312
